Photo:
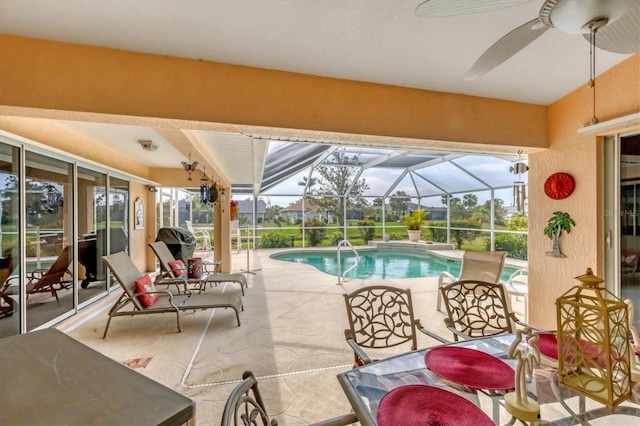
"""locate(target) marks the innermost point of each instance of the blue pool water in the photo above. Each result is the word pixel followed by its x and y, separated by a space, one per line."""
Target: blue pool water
pixel 379 264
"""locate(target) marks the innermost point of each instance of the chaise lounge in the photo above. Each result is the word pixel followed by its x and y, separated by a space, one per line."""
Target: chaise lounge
pixel 171 276
pixel 127 274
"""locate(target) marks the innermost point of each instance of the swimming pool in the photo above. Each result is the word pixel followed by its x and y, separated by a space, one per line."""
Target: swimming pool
pixel 376 264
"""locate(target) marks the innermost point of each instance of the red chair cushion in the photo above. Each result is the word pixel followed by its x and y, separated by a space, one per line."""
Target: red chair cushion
pixel 178 268
pixel 143 286
pixel 629 261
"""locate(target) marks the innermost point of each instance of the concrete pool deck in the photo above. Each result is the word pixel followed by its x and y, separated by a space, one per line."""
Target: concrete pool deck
pixel 291 337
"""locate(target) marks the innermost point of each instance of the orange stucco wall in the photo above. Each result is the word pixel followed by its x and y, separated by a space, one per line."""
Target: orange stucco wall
pixel 52 75
pixel 618 95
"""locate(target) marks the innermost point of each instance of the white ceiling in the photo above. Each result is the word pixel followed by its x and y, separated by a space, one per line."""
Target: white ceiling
pixel 379 41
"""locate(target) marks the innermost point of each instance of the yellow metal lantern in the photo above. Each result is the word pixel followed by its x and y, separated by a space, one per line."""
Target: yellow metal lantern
pixel 593 342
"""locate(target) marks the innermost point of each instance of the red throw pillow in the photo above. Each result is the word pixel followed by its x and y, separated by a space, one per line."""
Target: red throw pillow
pixel 143 286
pixel 178 268
pixel 629 261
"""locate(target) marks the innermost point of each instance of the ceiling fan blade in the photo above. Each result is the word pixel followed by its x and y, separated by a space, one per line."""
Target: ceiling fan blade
pixel 506 47
pixel 622 35
pixel 442 8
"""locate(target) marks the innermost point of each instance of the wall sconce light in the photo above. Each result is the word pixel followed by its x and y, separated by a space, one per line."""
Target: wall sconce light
pixel 189 167
pixel 152 188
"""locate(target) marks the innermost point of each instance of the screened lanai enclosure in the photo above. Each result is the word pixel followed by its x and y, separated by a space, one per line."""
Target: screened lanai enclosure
pixel 301 193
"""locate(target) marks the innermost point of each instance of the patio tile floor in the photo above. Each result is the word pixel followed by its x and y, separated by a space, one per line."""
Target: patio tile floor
pixel 291 337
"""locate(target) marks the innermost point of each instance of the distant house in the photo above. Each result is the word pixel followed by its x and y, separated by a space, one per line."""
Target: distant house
pixel 245 210
pixel 294 212
pixel 435 213
pixel 511 211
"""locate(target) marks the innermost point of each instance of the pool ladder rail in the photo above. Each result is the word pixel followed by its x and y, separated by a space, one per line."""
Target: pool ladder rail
pixel 342 276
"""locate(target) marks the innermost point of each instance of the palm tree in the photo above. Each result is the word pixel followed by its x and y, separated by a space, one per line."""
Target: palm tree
pixel 469 201
pixel 482 214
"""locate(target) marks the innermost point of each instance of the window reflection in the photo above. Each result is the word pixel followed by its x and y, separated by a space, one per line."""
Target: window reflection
pixel 49 213
pixel 92 241
pixel 9 240
pixel 118 216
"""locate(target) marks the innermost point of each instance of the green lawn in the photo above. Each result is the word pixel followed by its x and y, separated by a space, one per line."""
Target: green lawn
pixel 353 233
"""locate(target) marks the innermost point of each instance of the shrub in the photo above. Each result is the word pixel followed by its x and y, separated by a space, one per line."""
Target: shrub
pixel 391 217
pixel 368 233
pixel 314 236
pixel 458 236
pixel 396 236
pixel 275 240
pixel 518 222
pixel 514 244
pixel 439 234
pixel 335 238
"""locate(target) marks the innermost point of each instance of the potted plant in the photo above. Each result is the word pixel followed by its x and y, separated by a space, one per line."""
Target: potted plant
pixel 414 222
pixel 233 210
pixel 557 223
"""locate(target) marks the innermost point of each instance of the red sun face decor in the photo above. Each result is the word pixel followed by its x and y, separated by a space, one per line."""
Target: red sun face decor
pixel 559 186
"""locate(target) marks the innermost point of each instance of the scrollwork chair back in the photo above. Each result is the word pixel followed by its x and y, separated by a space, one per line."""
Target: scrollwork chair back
pixel 380 317
pixel 477 309
pixel 245 406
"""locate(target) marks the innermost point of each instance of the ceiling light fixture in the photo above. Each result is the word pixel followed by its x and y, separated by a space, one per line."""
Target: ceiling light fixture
pixel 148 145
pixel 189 167
pixel 593 29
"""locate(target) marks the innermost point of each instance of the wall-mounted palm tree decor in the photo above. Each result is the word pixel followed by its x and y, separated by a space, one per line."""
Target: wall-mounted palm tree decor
pixel 557 223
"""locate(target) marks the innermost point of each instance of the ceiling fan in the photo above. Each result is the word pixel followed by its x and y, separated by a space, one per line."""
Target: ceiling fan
pixel 617 23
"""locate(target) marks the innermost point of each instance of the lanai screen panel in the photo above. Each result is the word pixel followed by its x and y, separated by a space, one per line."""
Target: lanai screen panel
pixel 380 180
pixel 287 158
pixel 425 188
pixel 291 185
pixel 333 186
pixel 494 171
pixel 450 178
pixel 407 161
pixel 406 185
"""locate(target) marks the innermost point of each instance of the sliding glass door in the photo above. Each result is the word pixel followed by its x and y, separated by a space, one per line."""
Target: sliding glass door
pixel 622 217
pixel 9 240
pixel 48 285
pixel 92 238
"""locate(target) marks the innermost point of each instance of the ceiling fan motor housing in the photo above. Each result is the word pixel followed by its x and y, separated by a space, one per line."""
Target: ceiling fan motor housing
pixel 580 16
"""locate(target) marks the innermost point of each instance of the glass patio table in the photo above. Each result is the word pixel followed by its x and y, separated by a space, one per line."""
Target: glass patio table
pixel 367 385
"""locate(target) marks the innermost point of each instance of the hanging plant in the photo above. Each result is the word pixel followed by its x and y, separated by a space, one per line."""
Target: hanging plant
pixel 559 222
